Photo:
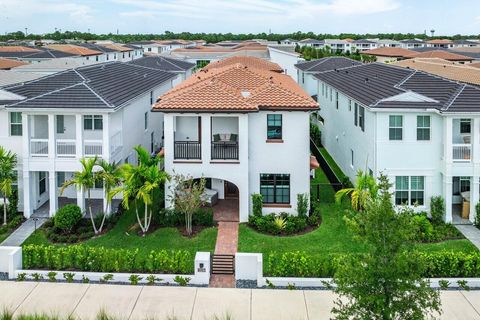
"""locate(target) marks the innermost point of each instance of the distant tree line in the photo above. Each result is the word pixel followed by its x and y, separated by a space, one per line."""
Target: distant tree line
pixel 216 37
pixel 310 53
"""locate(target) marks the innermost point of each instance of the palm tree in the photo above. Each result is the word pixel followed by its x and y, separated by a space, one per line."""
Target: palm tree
pixel 365 189
pixel 8 161
pixel 84 180
pixel 139 183
pixel 109 174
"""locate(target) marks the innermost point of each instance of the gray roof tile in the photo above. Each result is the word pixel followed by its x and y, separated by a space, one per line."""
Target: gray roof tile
pixel 326 64
pixel 163 63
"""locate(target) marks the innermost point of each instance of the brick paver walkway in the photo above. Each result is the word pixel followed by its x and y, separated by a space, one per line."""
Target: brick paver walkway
pixel 226 213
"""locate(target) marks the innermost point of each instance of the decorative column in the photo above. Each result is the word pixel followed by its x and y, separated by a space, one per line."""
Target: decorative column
pixel 476 141
pixel 52 189
pixel 447 141
pixel 51 136
pixel 106 138
pixel 27 208
pixel 78 136
pixel 25 137
pixel 474 196
pixel 206 141
pixel 169 132
pixel 447 186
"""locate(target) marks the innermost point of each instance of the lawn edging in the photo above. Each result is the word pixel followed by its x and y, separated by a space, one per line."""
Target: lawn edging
pixel 11 265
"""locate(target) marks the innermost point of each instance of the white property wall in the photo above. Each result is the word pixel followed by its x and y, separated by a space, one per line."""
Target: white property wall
pixel 286 60
pixel 308 82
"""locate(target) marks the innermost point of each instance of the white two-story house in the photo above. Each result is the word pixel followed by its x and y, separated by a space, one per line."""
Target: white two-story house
pixel 243 127
pixel 52 122
pixel 307 69
pixel 421 130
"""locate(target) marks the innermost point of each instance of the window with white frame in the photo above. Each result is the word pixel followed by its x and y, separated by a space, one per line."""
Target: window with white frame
pixel 395 130
pixel 349 104
pixel 361 117
pixel 465 126
pixel 410 190
pixel 336 99
pixel 146 120
pixel 423 127
pixel 352 164
pixel 151 97
pixel 355 115
pixel 16 123
pixel 93 122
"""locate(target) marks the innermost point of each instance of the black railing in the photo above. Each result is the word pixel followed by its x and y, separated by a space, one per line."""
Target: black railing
pixel 187 150
pixel 225 150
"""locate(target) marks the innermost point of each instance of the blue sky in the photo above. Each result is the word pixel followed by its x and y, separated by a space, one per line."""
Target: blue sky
pixel 447 17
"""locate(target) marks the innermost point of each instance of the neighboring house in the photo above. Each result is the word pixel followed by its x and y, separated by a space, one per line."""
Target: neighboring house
pixel 289 42
pixel 363 44
pixel 444 68
pixel 148 46
pixel 51 66
pixel 465 44
pixel 306 71
pixel 311 43
pixel 412 43
pixel 338 45
pixel 85 53
pixel 183 68
pixel 52 122
pixel 442 54
pixel 388 43
pixel 34 54
pixel 8 77
pixel 439 43
pixel 124 52
pixel 108 53
pixel 390 54
pixel 7 64
pixel 421 130
pixel 285 57
pixel 243 128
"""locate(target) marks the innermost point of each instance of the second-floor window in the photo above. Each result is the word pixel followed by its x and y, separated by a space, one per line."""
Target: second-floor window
pixel 146 120
pixel 275 188
pixel 93 122
pixel 423 127
pixel 151 97
pixel 395 130
pixel 15 123
pixel 355 115
pixel 465 126
pixel 361 117
pixel 274 126
pixel 60 123
pixel 336 99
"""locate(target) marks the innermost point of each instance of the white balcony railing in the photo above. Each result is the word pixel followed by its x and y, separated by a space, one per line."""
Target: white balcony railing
pixel 93 148
pixel 66 147
pixel 462 152
pixel 39 147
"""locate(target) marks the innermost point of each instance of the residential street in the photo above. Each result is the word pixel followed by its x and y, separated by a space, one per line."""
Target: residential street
pixel 84 301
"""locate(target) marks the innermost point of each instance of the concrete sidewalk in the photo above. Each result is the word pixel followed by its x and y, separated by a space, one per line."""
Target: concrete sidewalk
pixel 23 232
pixel 84 301
pixel 470 232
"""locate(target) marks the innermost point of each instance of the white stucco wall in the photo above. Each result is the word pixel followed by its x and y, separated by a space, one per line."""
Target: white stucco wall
pixel 285 60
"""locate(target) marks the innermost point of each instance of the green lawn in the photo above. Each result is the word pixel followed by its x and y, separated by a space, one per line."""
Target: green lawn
pixel 338 172
pixel 332 237
pixel 321 188
pixel 164 238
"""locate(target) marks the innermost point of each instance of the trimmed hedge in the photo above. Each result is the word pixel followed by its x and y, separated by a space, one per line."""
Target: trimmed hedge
pixel 437 264
pixel 100 259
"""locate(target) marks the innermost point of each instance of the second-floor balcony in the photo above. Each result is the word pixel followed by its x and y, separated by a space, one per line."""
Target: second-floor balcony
pixel 462 140
pixel 187 150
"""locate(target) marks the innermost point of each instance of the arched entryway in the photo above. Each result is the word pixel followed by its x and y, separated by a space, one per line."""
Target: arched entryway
pixel 223 198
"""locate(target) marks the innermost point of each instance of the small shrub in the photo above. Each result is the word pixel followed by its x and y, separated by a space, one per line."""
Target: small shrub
pixel 302 204
pixel 437 209
pixel 182 281
pixel 477 216
pixel 106 278
pixel 291 286
pixel 67 218
pixel 257 204
pixel 22 276
pixel 151 279
pixel 283 223
pixel 423 226
pixel 443 284
pixel 68 276
pixel 52 276
pixel 134 279
pixel 85 279
pixel 270 285
pixel 463 284
pixel 279 223
pixel 36 276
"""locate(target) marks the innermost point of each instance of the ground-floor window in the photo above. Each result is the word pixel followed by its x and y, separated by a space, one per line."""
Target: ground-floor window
pixel 410 190
pixel 275 188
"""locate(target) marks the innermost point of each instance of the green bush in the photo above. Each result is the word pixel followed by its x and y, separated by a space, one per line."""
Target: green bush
pixel 424 229
pixel 477 216
pixel 292 224
pixel 172 218
pixel 302 204
pixel 257 204
pixel 315 134
pixel 67 218
pixel 441 264
pixel 437 209
pixel 100 259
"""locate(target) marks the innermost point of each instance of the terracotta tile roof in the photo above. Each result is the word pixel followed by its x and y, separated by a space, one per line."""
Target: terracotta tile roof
pixel 475 65
pixel 70 48
pixel 442 54
pixel 457 72
pixel 389 52
pixel 440 41
pixel 236 87
pixel 246 61
pixel 116 47
pixel 6 64
pixel 17 49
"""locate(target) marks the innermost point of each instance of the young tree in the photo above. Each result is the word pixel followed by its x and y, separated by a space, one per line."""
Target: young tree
pixel 140 183
pixel 109 174
pixel 8 161
pixel 365 189
pixel 187 196
pixel 85 180
pixel 386 283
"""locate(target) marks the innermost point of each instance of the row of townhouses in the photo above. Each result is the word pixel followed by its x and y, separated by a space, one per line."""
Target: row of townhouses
pixel 422 130
pixel 350 45
pixel 99 110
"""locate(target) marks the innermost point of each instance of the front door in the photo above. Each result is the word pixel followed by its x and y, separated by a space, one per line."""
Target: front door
pixel 231 190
